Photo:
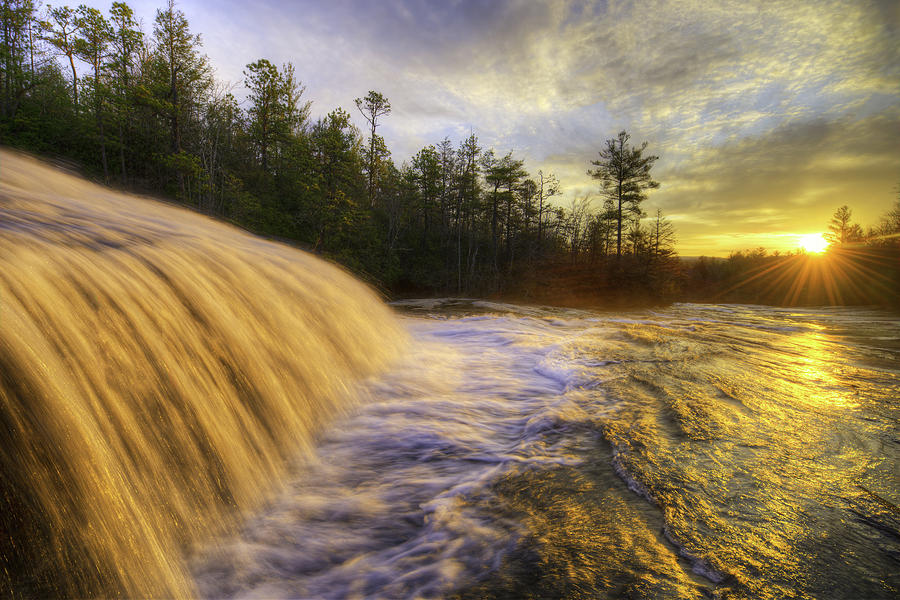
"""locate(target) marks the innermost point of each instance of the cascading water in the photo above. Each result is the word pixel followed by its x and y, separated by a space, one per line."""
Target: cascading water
pixel 158 372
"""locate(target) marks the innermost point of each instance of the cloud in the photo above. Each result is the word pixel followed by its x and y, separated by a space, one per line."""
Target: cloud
pixel 791 178
pixel 785 103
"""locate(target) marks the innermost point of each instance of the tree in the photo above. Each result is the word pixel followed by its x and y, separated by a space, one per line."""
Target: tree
pixel 467 193
pixel 336 149
pixel 187 70
pixel 547 188
pixel 528 191
pixel 608 225
pixel 125 41
pixel 448 163
pixel 577 221
pixel 266 91
pixel 888 230
pixel 637 238
pixel 662 237
pixel 276 113
pixel 16 38
pixel 506 173
pixel 371 107
pixel 61 32
pixel 91 46
pixel 221 120
pixel 426 172
pixel 842 230
pixel 624 174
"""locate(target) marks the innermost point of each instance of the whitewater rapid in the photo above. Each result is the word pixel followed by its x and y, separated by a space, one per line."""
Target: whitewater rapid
pixel 534 452
pixel 395 504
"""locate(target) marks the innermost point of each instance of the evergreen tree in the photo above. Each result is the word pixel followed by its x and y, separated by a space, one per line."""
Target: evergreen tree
pixel 126 39
pixel 468 193
pixel 17 51
pixel 61 30
pixel 548 186
pixel 186 70
pixel 268 111
pixel 373 106
pixel 336 148
pixel 624 174
pixel 426 171
pixel 94 36
pixel 504 175
pixel 842 231
pixel 662 237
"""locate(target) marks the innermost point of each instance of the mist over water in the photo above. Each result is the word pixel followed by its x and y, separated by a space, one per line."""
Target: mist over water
pixel 189 410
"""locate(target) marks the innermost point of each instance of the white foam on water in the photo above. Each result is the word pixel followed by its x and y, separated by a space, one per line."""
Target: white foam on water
pixel 393 504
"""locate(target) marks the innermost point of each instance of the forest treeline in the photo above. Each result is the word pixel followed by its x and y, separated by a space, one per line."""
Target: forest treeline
pixel 141 110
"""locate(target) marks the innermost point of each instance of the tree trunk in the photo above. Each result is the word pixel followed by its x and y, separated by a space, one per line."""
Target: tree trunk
pixel 619 224
pixel 103 149
pixel 372 165
pixel 74 81
pixel 122 151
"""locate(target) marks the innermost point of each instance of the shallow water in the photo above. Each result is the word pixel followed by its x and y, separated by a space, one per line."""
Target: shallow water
pixel 696 451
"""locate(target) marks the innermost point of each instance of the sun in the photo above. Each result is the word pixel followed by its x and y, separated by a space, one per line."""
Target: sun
pixel 814 243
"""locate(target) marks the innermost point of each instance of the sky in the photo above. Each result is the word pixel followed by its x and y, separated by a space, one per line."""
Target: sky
pixel 766 116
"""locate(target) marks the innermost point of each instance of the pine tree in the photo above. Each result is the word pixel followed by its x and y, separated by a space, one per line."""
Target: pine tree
pixel 662 237
pixel 842 231
pixel 187 72
pixel 17 68
pixel 624 174
pixel 94 36
pixel 373 106
pixel 61 32
pixel 125 41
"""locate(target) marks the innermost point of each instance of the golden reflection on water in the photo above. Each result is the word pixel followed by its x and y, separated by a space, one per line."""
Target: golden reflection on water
pixel 750 440
pixel 813 371
pixel 585 539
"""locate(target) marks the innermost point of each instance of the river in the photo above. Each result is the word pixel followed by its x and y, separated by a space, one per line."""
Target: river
pixel 522 452
pixel 188 410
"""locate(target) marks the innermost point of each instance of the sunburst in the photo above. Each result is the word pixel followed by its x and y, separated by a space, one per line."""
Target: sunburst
pixel 813 243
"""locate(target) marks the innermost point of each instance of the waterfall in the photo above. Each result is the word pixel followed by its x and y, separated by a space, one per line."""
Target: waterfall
pixel 159 370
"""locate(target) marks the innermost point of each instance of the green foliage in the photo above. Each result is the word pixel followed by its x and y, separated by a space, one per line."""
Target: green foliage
pixel 275 114
pixel 182 74
pixel 148 113
pixel 455 219
pixel 61 32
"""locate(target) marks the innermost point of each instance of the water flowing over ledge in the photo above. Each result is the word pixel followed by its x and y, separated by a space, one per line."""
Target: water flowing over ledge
pixel 158 370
